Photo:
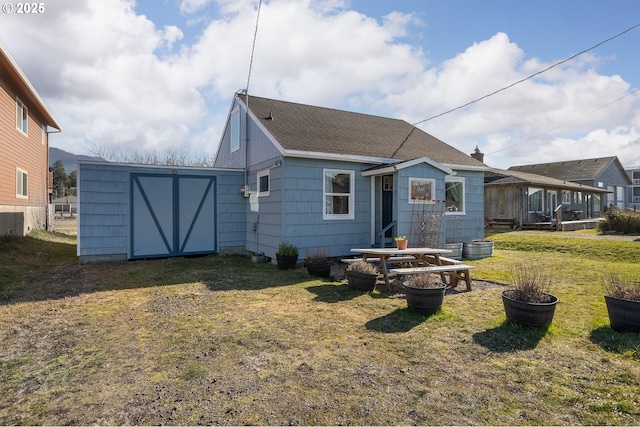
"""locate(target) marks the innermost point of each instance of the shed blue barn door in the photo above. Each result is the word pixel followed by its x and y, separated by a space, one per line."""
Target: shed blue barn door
pixel 172 215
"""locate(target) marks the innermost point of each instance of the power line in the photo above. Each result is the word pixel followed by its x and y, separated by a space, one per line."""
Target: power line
pixel 528 78
pixel 566 123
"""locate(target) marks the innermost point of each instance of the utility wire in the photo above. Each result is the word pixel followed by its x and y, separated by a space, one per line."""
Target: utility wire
pixel 566 123
pixel 253 47
pixel 528 78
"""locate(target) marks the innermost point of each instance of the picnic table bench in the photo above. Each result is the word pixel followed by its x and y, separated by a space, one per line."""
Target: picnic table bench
pixel 456 272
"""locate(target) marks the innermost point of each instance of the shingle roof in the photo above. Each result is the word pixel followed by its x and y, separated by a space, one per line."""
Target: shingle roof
pixel 306 128
pixel 506 177
pixel 573 170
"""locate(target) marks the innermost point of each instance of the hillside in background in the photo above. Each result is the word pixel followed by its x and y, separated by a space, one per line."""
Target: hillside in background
pixel 69 160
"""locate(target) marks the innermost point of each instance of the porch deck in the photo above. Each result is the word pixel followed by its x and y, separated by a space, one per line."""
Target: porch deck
pixel 577 224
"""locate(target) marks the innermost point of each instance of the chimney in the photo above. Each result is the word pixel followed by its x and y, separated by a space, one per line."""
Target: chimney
pixel 478 155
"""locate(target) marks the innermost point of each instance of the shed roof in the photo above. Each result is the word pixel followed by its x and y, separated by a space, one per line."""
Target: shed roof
pixel 26 90
pixel 311 129
pixel 572 170
pixel 511 177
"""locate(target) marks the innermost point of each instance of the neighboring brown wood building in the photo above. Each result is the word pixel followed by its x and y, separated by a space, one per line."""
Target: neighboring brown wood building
pixel 602 172
pixel 529 199
pixel 25 123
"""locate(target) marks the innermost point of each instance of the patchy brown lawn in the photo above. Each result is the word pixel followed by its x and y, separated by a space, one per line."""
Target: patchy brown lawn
pixel 219 340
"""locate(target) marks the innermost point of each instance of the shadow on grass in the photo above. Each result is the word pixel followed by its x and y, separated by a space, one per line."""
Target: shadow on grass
pixel 625 343
pixel 510 337
pixel 399 320
pixel 32 270
pixel 333 293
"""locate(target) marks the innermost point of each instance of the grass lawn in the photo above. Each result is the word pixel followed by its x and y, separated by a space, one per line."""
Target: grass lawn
pixel 219 340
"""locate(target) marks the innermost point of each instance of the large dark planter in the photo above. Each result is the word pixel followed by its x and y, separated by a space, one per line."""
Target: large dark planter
pixel 624 314
pixel 361 281
pixel 286 262
pixel 319 268
pixel 424 301
pixel 527 313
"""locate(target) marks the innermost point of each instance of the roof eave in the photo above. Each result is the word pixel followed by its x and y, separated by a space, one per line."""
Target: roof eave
pixel 22 82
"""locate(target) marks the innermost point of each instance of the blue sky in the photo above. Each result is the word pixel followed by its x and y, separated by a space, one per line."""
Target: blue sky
pixel 159 75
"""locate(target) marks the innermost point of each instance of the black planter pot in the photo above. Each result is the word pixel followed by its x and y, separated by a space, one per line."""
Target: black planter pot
pixel 424 301
pixel 624 314
pixel 529 314
pixel 319 268
pixel 286 262
pixel 361 281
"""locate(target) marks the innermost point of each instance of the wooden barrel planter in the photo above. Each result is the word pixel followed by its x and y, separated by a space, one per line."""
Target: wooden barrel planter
pixel 624 314
pixel 362 281
pixel 528 313
pixel 477 249
pixel 286 262
pixel 424 300
pixel 319 268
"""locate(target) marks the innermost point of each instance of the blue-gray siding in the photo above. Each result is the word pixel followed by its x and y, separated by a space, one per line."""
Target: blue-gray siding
pixel 104 208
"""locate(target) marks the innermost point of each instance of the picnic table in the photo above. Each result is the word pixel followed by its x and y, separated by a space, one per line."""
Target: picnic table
pixel 415 256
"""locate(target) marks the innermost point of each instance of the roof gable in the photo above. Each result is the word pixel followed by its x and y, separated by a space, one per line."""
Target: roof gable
pixel 306 128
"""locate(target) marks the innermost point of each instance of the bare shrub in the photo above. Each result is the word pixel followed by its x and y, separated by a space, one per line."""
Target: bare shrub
pixel 619 286
pixel 530 284
pixel 424 281
pixel 362 267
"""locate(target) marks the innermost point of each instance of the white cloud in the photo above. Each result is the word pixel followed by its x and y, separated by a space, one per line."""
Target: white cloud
pixel 113 77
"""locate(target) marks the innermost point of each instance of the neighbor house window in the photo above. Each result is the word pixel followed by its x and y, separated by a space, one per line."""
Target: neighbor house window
pixel 535 199
pixel 421 190
pixel 22 116
pixel 22 183
pixel 235 130
pixel 263 183
pixel 338 190
pixel 454 194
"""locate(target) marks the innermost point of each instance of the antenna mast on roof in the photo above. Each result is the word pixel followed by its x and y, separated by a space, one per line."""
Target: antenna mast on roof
pixel 253 48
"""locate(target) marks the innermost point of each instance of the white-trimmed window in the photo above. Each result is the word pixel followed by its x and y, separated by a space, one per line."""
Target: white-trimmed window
pixel 235 130
pixel 22 183
pixel 421 190
pixel 338 190
pixel 264 183
pixel 454 195
pixel 22 117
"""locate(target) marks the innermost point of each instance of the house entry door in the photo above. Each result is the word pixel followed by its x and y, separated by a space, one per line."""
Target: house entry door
pixel 172 215
pixel 387 204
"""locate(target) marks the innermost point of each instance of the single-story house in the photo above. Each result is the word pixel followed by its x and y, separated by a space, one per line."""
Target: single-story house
pixel 318 178
pixel 603 172
pixel 528 198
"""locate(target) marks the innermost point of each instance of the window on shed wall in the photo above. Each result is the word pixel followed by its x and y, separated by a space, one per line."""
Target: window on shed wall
pixel 235 130
pixel 264 184
pixel 22 183
pixel 535 199
pixel 454 194
pixel 338 190
pixel 22 117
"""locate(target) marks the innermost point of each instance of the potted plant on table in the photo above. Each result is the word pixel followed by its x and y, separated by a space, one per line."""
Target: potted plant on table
pixel 318 263
pixel 424 293
pixel 362 275
pixel 623 302
pixel 287 256
pixel 401 242
pixel 529 301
